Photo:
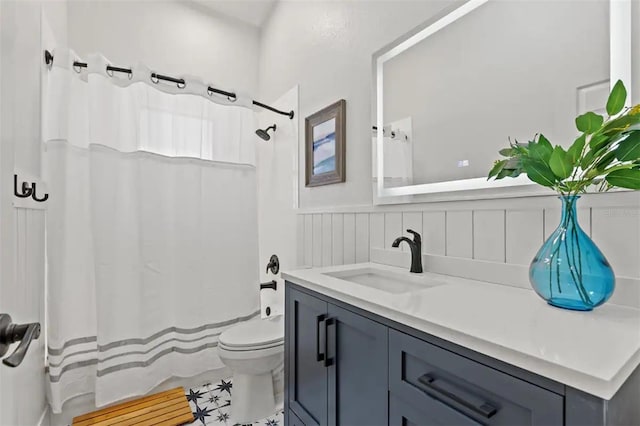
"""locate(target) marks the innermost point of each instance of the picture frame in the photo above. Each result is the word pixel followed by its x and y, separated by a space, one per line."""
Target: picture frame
pixel 325 145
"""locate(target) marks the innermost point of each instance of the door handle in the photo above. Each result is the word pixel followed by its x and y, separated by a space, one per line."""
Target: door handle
pixel 485 409
pixel 329 361
pixel 11 333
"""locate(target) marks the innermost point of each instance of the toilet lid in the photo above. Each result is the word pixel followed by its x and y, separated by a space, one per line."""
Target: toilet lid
pixel 254 333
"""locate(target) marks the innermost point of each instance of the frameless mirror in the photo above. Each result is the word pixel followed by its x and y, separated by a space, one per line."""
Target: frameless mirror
pixel 449 94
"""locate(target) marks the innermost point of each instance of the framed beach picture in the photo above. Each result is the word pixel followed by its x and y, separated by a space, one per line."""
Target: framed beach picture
pixel 325 145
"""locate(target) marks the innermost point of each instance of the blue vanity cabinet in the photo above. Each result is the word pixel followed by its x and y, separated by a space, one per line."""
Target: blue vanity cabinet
pixel 347 366
pixel 336 364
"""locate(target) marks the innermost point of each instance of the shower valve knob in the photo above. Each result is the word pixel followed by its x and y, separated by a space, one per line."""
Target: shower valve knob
pixel 11 333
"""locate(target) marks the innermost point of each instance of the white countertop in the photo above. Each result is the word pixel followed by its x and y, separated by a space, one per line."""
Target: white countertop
pixel 591 351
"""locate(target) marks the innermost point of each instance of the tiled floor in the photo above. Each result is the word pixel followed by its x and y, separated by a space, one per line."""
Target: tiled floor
pixel 211 403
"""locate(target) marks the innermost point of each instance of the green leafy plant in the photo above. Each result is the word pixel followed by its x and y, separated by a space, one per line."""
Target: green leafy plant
pixel 605 155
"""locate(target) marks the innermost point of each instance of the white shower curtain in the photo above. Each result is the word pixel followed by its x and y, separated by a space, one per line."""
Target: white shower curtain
pixel 151 228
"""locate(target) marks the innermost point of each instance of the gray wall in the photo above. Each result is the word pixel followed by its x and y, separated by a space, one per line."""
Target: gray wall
pixel 173 37
pixel 326 48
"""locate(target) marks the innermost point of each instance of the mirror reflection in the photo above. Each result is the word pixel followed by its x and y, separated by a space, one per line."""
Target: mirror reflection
pixel 505 69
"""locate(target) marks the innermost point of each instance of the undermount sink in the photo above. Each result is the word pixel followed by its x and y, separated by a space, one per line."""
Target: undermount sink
pixel 387 281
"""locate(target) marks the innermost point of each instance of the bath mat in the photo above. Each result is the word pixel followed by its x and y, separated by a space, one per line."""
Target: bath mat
pixel 169 408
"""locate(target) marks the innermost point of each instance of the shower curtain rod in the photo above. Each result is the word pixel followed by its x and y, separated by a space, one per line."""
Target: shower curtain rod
pixel 155 78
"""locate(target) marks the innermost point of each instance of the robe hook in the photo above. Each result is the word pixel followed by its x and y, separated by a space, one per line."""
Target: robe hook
pixel 27 191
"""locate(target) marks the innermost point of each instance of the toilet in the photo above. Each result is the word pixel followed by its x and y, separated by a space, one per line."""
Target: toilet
pixel 253 350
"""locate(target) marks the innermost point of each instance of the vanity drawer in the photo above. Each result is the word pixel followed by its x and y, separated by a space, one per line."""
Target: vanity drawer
pixel 443 384
pixel 402 413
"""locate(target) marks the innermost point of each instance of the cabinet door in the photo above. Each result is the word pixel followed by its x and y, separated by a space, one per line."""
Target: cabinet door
pixel 358 370
pixel 294 420
pixel 306 372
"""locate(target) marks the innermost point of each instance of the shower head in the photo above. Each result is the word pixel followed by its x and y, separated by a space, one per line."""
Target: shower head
pixel 264 134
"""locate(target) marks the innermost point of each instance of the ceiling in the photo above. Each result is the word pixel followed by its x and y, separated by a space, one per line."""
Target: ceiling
pixel 253 12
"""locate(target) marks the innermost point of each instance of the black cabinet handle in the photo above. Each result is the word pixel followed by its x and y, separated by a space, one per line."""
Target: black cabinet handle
pixel 327 323
pixel 485 409
pixel 321 338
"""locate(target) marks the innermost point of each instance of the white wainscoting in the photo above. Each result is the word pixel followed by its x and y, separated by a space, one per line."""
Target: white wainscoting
pixel 504 232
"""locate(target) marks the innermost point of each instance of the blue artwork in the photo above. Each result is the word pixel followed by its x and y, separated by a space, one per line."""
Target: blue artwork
pixel 324 147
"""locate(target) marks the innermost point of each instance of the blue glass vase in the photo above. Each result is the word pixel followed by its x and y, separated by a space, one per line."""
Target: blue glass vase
pixel 570 271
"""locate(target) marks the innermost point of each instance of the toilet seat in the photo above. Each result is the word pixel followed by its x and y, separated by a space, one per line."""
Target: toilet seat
pixel 256 334
pixel 249 348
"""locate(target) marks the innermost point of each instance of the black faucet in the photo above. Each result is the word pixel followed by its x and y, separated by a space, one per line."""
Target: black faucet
pixel 416 250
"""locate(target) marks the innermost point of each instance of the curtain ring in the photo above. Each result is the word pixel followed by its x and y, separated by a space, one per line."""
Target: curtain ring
pixel 77 68
pixel 154 79
pixel 209 92
pixel 181 84
pixel 232 98
pixel 130 74
pixel 109 72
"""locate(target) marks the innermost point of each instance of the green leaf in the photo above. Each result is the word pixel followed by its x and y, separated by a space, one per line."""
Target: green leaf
pixel 561 166
pixel 589 122
pixel 575 150
pixel 496 169
pixel 605 161
pixel 508 173
pixel 520 148
pixel 625 178
pixel 506 152
pixel 539 172
pixel 620 124
pixel 598 141
pixel 510 167
pixel 513 163
pixel 591 155
pixel 587 159
pixel 542 140
pixel 541 150
pixel 617 98
pixel 629 148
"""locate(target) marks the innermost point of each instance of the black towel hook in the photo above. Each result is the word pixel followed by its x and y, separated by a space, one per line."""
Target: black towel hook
pixel 35 197
pixel 25 190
